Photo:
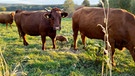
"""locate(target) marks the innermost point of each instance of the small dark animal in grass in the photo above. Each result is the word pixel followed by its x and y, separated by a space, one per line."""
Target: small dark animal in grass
pixel 61 39
pixel 6 18
pixel 121 27
pixel 39 23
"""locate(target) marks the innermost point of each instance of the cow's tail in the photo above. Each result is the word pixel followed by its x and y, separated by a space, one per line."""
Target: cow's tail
pixel 19 32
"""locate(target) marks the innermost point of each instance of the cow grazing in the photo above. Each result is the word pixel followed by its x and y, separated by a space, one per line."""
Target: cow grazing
pixel 6 18
pixel 61 38
pixel 39 23
pixel 121 27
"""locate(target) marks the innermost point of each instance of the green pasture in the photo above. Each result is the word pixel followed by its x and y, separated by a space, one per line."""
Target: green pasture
pixel 62 61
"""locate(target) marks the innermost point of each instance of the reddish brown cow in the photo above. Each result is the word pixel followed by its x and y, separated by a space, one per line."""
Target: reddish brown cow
pixel 6 18
pixel 121 27
pixel 39 23
pixel 61 38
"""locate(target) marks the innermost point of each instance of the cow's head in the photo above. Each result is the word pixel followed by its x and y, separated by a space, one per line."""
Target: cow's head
pixel 55 17
pixel 11 17
pixel 18 11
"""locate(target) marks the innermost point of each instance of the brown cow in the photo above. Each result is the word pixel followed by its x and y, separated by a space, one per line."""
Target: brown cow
pixel 6 18
pixel 61 38
pixel 39 23
pixel 121 27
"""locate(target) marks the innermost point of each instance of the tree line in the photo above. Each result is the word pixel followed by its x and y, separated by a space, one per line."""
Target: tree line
pixel 128 5
pixel 69 6
pixel 13 7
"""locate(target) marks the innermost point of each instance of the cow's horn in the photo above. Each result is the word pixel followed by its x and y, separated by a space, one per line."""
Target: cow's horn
pixel 62 10
pixel 46 10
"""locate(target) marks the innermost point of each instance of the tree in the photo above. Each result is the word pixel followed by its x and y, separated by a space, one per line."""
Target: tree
pixel 125 4
pixel 69 7
pixel 3 9
pixel 99 4
pixel 86 3
pixel 114 3
pixel 49 8
pixel 132 8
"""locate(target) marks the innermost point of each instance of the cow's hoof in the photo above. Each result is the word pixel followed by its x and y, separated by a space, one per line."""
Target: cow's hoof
pixel 43 49
pixel 84 47
pixel 54 48
pixel 26 44
pixel 75 50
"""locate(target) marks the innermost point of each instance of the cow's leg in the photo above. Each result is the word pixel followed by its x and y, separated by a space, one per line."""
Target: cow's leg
pixel 19 31
pixel 10 26
pixel 22 34
pixel 54 42
pixel 43 41
pixel 111 50
pixel 52 35
pixel 24 39
pixel 83 40
pixel 75 34
pixel 112 54
pixel 132 51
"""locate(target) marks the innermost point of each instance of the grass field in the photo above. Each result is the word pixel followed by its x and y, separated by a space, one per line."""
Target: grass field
pixel 31 60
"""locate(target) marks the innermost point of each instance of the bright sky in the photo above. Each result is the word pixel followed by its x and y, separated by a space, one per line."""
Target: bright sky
pixel 42 2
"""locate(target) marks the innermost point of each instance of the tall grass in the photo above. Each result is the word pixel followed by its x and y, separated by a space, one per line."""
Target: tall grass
pixel 4 68
pixel 107 49
pixel 3 65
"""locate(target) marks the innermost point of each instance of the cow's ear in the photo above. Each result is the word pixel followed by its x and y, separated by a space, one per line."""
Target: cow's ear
pixel 12 14
pixel 64 14
pixel 47 15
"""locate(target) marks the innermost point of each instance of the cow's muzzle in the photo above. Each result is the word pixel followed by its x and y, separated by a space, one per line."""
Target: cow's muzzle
pixel 57 28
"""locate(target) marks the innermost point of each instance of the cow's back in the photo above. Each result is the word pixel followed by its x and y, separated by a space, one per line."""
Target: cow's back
pixel 31 23
pixel 2 18
pixel 30 20
pixel 87 19
pixel 6 18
